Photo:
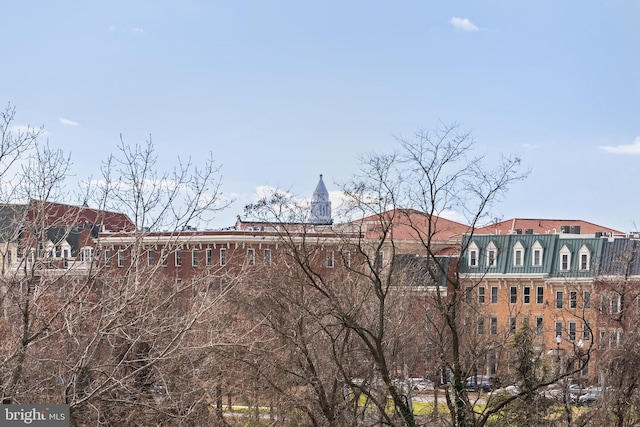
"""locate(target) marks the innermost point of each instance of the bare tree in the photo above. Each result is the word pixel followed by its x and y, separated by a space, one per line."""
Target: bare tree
pixel 120 347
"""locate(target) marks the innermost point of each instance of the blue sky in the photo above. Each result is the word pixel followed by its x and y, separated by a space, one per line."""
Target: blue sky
pixel 281 91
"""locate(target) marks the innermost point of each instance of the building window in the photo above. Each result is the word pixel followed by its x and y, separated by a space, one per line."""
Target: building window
pixel 223 256
pixel 586 299
pixel 526 295
pixel 585 256
pixel 540 295
pixel 572 331
pixel 585 370
pixel 150 261
pixel 558 329
pixel 586 331
pixel 467 294
pixel 178 254
pixel 481 295
pixel 539 324
pixel 209 256
pixel 615 304
pixel 120 258
pixel 473 255
pixel 565 258
pixel 492 254
pixel 512 324
pixel 480 325
pixel 518 255
pixel 267 257
pixel 107 257
pixel 493 326
pixel 86 254
pixel 251 257
pixel 330 259
pixel 165 257
pixel 194 258
pixel 573 299
pixel 494 295
pixel 513 294
pixel 347 259
pixel 559 298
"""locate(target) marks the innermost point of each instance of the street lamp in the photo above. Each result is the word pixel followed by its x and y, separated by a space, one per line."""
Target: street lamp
pixel 558 341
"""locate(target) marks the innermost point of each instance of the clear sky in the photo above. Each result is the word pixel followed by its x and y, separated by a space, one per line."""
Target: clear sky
pixel 281 91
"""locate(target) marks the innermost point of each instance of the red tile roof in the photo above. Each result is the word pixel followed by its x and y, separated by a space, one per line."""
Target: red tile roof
pixel 68 215
pixel 410 224
pixel 544 226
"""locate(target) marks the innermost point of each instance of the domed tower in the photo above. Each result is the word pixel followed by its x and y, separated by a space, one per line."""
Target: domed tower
pixel 320 205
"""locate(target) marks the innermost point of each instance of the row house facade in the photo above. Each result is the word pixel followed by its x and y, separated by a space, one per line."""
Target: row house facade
pixel 557 283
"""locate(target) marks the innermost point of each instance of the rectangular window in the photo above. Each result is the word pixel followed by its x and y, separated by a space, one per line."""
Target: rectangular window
pixel 572 331
pixel 107 257
pixel 223 256
pixel 330 259
pixel 165 257
pixel 573 299
pixel 467 294
pixel 493 326
pixel 194 258
pixel 512 324
pixel 481 295
pixel 267 257
pixel 602 340
pixel 178 254
pixel 539 324
pixel 251 257
pixel 585 370
pixel 558 329
pixel 584 262
pixel 209 256
pixel 150 257
pixel 615 304
pixel 347 259
pixel 8 258
pixel 559 298
pixel 120 258
pixel 494 295
pixel 565 262
pixel 473 258
pixel 586 331
pixel 526 295
pixel 586 299
pixel 480 325
pixel 536 258
pixel 540 295
pixel 513 294
pixel 492 258
pixel 518 258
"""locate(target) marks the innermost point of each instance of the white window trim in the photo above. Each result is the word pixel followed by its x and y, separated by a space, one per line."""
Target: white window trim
pixel 584 251
pixel 472 249
pixel 518 248
pixel 537 247
pixel 491 248
pixel 565 251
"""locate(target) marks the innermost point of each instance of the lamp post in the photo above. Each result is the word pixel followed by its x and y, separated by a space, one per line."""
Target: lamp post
pixel 558 341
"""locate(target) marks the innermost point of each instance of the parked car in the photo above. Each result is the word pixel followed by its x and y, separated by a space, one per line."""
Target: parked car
pixel 421 384
pixel 592 395
pixel 482 383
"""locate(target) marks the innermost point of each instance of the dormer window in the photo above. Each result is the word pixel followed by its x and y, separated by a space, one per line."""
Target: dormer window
pixel 518 255
pixel 473 255
pixel 585 258
pixel 492 255
pixel 565 258
pixel 537 252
